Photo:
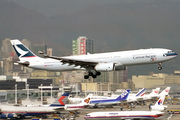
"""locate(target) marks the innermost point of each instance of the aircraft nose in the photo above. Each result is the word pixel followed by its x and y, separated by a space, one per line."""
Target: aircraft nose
pixel 175 54
pixel 172 54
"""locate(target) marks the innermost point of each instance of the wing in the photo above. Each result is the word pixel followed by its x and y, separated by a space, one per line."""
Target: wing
pixel 76 62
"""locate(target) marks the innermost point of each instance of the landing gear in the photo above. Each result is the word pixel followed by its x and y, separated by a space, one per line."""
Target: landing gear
pixel 160 68
pixel 93 74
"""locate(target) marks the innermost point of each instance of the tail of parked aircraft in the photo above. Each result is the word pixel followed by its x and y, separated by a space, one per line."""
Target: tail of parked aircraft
pixel 61 101
pixel 87 99
pixel 159 104
pixel 21 50
pixel 124 95
pixel 165 91
pixel 141 92
pixel 160 100
pixel 155 91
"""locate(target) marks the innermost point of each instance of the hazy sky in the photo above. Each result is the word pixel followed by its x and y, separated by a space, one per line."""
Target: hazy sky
pixel 60 7
pixel 113 24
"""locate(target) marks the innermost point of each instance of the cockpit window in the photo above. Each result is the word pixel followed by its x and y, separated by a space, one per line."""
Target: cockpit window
pixel 170 52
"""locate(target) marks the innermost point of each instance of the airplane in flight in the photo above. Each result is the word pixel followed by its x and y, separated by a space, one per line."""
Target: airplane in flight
pixel 9 111
pixel 154 113
pixel 94 64
pixel 111 101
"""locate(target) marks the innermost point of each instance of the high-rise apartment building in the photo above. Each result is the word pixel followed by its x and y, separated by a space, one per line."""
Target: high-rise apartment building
pixel 49 51
pixel 36 48
pixel 82 46
pixel 6 49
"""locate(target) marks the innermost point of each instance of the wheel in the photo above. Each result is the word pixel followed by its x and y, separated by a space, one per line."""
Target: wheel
pixel 86 77
pixel 98 73
pixel 160 68
pixel 94 76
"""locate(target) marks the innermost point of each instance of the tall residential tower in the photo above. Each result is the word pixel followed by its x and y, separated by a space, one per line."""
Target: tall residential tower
pixel 82 46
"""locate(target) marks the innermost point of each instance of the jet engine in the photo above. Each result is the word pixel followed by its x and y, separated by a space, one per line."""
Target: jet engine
pixel 11 115
pixel 3 115
pixel 105 67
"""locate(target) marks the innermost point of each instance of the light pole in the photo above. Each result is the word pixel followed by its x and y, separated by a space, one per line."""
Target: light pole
pixel 51 90
pixel 76 89
pixel 85 89
pixel 41 94
pixel 101 88
pixel 16 94
pixel 94 88
pixel 27 87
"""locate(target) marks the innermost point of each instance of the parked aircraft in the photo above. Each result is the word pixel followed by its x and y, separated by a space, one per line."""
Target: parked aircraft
pixel 57 106
pixel 123 96
pixel 130 98
pixel 123 115
pixel 165 91
pixel 94 64
pixel 159 104
pixel 8 111
pixel 154 113
pixel 135 97
pixel 152 95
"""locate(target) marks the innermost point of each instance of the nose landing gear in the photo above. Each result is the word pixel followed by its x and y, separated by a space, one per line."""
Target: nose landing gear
pixel 160 68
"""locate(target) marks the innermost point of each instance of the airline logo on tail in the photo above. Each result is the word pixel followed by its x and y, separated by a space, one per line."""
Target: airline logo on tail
pixel 160 102
pixel 61 101
pixel 124 95
pixel 156 91
pixel 87 100
pixel 21 50
pixel 141 93
pixel 167 90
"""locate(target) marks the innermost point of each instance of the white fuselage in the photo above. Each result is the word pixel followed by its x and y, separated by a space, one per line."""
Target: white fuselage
pixel 115 115
pixel 26 111
pixel 122 58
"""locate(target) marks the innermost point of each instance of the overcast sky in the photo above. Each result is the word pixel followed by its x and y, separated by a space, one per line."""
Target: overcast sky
pixel 113 24
pixel 60 7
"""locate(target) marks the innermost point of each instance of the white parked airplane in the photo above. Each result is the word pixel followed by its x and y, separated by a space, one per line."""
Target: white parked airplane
pixel 116 115
pixel 94 64
pixel 59 105
pixel 135 97
pixel 9 111
pixel 130 98
pixel 152 95
pixel 159 104
pixel 111 101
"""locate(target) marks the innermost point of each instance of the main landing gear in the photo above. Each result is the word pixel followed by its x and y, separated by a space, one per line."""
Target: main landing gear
pixel 93 74
pixel 160 68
